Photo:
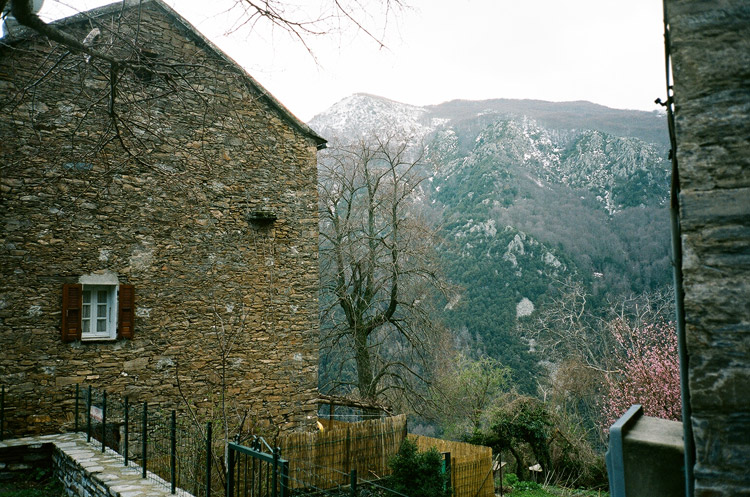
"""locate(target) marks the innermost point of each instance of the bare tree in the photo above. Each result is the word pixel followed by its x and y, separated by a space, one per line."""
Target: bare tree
pixel 467 390
pixel 379 272
pixel 568 327
pixel 582 348
pixel 327 17
pixel 565 327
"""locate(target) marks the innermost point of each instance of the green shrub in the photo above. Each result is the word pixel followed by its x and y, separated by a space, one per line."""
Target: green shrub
pixel 511 480
pixel 418 474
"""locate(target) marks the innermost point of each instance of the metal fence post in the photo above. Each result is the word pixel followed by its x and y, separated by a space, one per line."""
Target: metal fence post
pixel 75 428
pixel 230 472
pixel 144 437
pixel 501 474
pixel 125 442
pixel 275 475
pixel 353 482
pixel 285 479
pixel 173 453
pixel 88 415
pixel 209 439
pixel 447 470
pixel 104 419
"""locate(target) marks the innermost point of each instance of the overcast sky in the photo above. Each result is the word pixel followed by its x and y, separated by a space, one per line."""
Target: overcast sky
pixel 605 51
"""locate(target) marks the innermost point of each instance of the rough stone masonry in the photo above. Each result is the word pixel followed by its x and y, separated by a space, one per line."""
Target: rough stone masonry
pixel 176 174
pixel 710 48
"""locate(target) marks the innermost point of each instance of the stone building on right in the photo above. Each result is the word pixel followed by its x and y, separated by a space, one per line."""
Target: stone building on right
pixel 709 46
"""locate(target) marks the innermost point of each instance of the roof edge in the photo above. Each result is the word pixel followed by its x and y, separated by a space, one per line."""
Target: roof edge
pixel 303 127
pixel 26 33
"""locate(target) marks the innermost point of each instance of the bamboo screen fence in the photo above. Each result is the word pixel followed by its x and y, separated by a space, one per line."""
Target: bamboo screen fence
pixel 471 466
pixel 324 459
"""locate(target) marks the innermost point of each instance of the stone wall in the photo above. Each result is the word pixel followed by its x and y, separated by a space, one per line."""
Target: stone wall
pixel 82 468
pixel 18 461
pixel 155 187
pixel 710 47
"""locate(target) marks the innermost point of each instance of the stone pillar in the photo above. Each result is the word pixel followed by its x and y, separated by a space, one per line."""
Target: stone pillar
pixel 710 49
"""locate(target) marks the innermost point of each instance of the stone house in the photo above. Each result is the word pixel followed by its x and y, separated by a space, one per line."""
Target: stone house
pixel 159 226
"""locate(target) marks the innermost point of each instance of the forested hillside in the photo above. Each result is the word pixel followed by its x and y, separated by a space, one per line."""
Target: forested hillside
pixel 527 195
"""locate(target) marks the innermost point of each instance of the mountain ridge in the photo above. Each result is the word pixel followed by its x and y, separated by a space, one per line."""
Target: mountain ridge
pixel 578 114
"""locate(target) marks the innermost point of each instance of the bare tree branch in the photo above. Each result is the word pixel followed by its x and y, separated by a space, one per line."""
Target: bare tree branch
pixel 379 269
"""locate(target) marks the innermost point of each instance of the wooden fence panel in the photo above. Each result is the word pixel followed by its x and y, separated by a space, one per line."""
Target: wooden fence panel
pixel 473 478
pixel 471 465
pixel 324 459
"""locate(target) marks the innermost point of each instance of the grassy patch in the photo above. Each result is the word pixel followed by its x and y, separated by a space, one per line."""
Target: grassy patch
pixel 557 492
pixel 531 489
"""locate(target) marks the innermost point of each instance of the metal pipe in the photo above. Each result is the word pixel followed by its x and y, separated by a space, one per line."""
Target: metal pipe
pixel 144 439
pixel 209 439
pixel 230 471
pixel 104 419
pixel 88 415
pixel 173 453
pixel 2 413
pixel 125 444
pixel 75 427
pixel 679 295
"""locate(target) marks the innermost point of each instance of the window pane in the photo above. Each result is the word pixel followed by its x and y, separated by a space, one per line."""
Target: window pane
pixel 86 311
pixel 101 310
pixel 86 326
pixel 101 325
pixel 86 296
pixel 101 296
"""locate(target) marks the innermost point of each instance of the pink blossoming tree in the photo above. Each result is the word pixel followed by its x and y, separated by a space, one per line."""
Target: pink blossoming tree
pixel 647 372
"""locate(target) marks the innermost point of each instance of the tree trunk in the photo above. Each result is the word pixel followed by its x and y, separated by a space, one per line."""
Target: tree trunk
pixel 519 463
pixel 367 388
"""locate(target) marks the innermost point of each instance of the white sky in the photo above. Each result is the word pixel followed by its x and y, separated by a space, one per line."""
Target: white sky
pixel 605 51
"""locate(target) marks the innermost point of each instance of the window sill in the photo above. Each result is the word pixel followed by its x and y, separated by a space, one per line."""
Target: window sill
pixel 99 339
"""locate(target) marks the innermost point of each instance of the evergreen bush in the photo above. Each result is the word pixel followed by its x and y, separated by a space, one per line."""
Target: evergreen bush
pixel 418 474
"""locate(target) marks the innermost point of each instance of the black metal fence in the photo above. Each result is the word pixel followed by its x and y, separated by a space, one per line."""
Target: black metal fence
pixel 253 472
pixel 172 453
pixel 187 456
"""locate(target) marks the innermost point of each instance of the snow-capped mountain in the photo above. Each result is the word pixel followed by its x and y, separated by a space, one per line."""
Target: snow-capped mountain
pixel 362 114
pixel 617 155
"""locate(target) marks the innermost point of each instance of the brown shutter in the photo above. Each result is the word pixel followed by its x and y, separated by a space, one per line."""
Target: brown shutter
pixel 71 312
pixel 126 311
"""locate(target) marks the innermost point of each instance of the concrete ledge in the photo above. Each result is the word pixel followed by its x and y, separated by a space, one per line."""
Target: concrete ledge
pixel 86 471
pixel 646 456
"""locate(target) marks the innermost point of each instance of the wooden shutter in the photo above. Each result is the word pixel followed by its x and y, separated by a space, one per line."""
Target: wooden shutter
pixel 126 311
pixel 71 312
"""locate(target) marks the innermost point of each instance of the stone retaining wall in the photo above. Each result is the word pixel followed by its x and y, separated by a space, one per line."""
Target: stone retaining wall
pixel 83 469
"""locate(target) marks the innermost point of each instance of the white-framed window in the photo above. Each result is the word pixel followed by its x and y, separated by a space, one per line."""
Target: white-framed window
pixel 98 307
pixel 98 312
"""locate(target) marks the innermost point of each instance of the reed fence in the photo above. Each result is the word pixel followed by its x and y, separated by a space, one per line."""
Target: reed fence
pixel 327 458
pixel 471 465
